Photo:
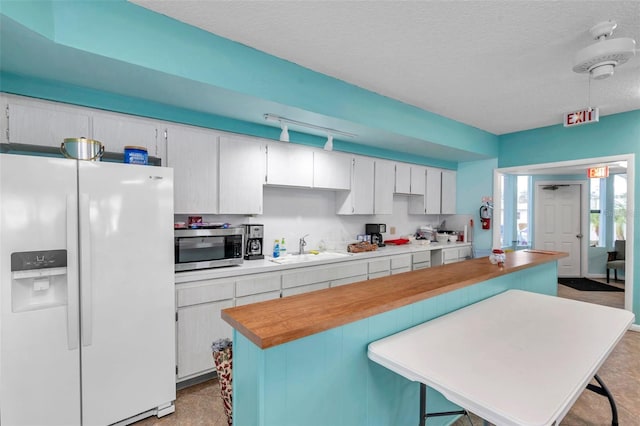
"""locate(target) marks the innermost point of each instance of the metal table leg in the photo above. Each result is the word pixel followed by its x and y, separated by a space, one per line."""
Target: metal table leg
pixel 602 390
pixel 423 408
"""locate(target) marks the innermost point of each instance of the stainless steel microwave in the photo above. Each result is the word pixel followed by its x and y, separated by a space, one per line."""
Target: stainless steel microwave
pixel 204 248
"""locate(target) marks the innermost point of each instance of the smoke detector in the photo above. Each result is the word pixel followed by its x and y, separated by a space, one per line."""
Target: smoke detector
pixel 600 58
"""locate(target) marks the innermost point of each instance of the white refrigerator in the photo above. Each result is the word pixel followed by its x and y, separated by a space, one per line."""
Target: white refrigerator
pixel 87 325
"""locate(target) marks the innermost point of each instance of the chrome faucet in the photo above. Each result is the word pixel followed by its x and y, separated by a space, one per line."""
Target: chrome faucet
pixel 302 244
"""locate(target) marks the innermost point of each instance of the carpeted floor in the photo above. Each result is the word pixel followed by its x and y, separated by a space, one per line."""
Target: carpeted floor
pixel 585 284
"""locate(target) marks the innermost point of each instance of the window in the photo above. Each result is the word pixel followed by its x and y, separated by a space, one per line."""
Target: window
pixel 619 207
pixel 523 230
pixel 596 218
pixel 608 210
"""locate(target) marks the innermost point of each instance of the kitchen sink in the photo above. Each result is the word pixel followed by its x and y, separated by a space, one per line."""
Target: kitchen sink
pixel 308 257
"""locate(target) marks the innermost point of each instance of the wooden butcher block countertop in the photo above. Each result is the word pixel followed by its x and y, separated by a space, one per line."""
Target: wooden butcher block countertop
pixel 279 321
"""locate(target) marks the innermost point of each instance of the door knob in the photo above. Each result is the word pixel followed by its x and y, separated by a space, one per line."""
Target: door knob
pixel 579 236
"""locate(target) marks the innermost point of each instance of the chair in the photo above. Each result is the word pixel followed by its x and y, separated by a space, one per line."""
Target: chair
pixel 616 260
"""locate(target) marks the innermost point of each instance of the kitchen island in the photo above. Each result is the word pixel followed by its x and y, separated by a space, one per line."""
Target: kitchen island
pixel 303 359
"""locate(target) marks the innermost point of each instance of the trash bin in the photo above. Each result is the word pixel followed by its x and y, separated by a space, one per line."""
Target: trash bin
pixel 222 357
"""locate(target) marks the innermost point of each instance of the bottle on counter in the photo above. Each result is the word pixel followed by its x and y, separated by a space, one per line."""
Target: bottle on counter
pixel 276 249
pixel 283 248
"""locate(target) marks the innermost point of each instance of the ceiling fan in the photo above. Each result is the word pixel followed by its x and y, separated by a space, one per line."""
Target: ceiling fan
pixel 600 58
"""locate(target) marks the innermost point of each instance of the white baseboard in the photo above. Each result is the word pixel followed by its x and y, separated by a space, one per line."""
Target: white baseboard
pixel 635 327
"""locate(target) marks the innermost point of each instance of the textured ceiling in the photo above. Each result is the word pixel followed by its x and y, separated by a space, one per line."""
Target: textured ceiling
pixel 501 66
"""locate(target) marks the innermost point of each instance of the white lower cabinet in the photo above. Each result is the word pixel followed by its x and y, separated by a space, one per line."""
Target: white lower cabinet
pixel 348 273
pixel 199 324
pixel 453 255
pixel 379 268
pixel 302 280
pixel 421 260
pixel 258 288
pixel 305 288
pixel 400 263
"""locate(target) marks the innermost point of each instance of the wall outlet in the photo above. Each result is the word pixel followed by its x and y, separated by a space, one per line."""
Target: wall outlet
pixel 392 230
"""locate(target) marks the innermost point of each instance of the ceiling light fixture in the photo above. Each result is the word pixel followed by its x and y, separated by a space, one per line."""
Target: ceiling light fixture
pixel 286 122
pixel 328 146
pixel 284 134
pixel 600 58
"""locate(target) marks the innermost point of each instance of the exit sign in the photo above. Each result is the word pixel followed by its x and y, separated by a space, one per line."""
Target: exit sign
pixel 598 172
pixel 584 116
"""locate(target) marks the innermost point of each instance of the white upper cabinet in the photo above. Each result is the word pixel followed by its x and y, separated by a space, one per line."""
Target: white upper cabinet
pixel 289 165
pixel 116 131
pixel 193 154
pixel 241 175
pixel 383 186
pixel 331 170
pixel 359 200
pixel 44 123
pixel 448 200
pixel 440 193
pixel 402 178
pixel 410 179
pixel 418 180
pixel 433 191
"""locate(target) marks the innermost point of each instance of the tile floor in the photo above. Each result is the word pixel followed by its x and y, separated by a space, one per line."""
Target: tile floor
pixel 200 405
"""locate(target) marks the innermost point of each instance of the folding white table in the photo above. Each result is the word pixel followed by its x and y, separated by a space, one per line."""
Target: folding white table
pixel 517 358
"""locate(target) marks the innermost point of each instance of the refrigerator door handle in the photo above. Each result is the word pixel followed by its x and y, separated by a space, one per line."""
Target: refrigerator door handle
pixel 73 313
pixel 86 323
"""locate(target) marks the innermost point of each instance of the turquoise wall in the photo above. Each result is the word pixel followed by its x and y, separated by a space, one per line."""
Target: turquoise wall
pixel 327 378
pixel 474 181
pixel 134 41
pixel 612 135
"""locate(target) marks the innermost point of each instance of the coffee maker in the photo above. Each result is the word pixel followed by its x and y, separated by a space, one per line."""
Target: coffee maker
pixel 254 235
pixel 376 230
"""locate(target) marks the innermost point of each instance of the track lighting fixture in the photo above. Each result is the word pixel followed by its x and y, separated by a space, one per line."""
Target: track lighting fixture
pixel 286 122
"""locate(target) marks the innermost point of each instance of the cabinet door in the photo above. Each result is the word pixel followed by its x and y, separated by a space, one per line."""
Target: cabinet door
pixel 289 165
pixel 193 154
pixel 363 185
pixel 255 298
pixel 448 192
pixel 40 123
pixel 377 266
pixel 331 170
pixel 304 289
pixel 198 326
pixel 432 191
pixel 240 175
pixel 402 178
pixel 360 199
pixel 116 131
pixel 383 185
pixel 418 180
pixel 258 283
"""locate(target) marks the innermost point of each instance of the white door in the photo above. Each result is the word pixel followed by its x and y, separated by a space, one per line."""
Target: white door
pixel 40 356
pixel 558 224
pixel 127 290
